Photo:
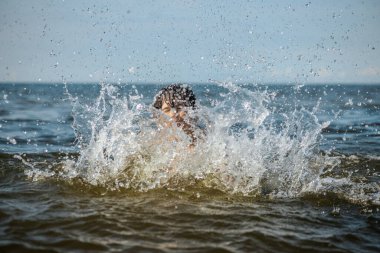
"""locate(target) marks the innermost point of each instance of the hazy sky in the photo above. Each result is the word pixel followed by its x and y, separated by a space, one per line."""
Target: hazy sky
pixel 190 41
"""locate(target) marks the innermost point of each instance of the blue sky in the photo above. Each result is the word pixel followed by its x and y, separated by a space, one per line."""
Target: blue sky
pixel 190 41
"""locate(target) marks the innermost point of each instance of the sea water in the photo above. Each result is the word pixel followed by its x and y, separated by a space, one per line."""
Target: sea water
pixel 277 168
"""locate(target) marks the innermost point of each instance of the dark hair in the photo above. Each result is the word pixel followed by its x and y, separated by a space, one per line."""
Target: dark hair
pixel 175 95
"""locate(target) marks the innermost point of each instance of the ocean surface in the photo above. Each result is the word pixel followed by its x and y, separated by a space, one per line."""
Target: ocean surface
pixel 279 168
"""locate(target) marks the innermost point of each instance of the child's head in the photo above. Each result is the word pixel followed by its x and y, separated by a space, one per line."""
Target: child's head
pixel 175 101
pixel 176 96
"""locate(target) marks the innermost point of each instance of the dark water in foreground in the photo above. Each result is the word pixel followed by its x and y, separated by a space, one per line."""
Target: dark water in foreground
pixel 282 169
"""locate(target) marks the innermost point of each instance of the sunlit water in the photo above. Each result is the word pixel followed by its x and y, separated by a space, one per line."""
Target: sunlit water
pixel 276 169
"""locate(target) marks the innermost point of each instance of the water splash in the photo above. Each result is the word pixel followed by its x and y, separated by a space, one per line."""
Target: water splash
pixel 246 149
pixel 249 148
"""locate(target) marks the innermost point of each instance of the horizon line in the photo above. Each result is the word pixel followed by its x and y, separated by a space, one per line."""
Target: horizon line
pixel 190 83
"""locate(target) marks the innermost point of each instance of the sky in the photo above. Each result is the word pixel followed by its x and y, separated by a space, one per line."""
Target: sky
pixel 190 41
